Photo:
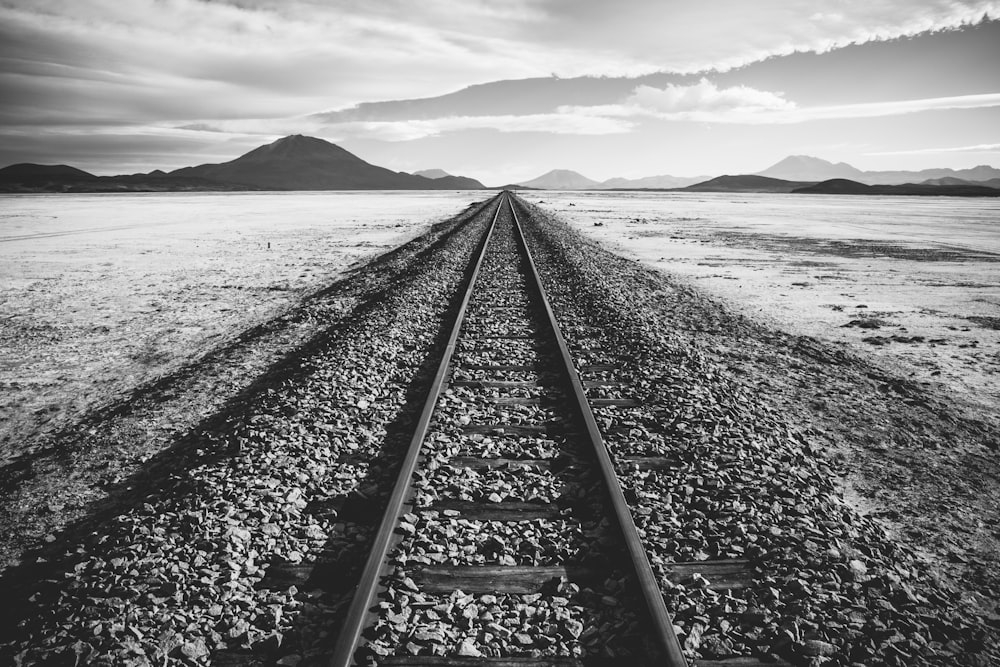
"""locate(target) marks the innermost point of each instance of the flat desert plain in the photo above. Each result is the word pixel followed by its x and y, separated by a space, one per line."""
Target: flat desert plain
pixel 911 282
pixel 102 293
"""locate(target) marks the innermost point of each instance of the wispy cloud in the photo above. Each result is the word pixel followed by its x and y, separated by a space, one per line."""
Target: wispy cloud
pixel 706 103
pixel 978 148
pixel 555 123
pixel 408 130
pixel 870 109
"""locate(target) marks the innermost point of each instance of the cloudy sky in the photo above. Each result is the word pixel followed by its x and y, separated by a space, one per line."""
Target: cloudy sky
pixel 504 90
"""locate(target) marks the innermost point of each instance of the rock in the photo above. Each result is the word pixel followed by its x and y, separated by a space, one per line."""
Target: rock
pixel 714 646
pixel 574 628
pixel 858 568
pixel 194 650
pixel 818 647
pixel 467 648
pixel 428 635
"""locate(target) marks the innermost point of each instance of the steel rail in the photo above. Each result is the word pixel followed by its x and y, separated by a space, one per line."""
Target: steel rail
pixel 375 566
pixel 662 624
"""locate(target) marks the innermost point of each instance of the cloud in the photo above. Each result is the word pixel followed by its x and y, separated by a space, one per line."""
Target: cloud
pixel 255 67
pixel 262 58
pixel 693 37
pixel 978 148
pixel 705 96
pixel 878 109
pixel 705 102
pixel 702 101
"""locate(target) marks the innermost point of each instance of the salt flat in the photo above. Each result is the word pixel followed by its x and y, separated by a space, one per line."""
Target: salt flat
pixel 100 293
pixel 912 281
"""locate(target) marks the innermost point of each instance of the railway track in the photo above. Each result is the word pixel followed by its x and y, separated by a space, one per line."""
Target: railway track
pixel 507 538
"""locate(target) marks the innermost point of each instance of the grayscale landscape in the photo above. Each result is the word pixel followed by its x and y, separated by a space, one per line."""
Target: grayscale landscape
pixel 473 334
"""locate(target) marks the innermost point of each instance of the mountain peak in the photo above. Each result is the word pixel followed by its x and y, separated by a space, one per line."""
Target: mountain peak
pixel 432 173
pixel 299 147
pixel 561 179
pixel 809 168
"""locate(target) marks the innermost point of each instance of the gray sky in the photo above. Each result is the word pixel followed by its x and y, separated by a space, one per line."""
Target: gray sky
pixel 503 91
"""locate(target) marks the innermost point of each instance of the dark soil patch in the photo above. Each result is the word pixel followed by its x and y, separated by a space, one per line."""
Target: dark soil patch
pixel 986 322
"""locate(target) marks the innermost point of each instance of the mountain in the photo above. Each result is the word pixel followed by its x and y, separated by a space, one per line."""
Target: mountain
pixel 745 183
pixel 432 173
pixel 307 163
pixel 806 168
pixel 561 179
pixel 842 186
pixel 650 182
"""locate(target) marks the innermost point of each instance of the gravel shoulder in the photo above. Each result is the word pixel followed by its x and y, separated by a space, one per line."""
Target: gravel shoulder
pixel 921 464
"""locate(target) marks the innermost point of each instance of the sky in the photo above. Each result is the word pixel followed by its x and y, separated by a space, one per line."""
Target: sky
pixel 504 91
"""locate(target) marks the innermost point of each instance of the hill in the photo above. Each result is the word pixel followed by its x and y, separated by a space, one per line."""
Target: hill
pixel 26 176
pixel 62 178
pixel 26 171
pixel 561 179
pixel 306 163
pixel 842 186
pixel 951 180
pixel 806 168
pixel 745 183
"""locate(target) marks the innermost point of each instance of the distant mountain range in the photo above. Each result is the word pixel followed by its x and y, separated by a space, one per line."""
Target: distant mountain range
pixel 291 163
pixel 806 168
pixel 564 179
pixel 306 163
pixel 796 173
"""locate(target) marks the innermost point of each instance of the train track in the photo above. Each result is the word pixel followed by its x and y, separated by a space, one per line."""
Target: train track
pixel 507 538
